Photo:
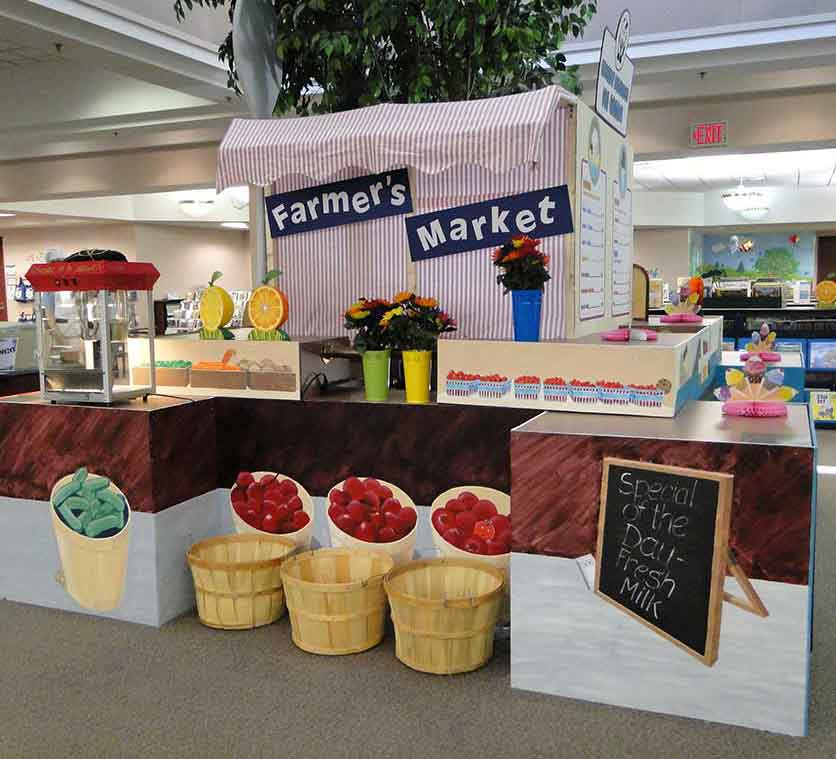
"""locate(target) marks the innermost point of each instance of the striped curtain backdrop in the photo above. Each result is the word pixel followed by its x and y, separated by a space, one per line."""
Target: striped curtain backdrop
pixel 458 153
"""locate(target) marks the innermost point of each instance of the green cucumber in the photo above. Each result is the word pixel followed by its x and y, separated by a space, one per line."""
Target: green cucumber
pixel 66 491
pixel 95 484
pixel 80 475
pixel 103 524
pixel 73 522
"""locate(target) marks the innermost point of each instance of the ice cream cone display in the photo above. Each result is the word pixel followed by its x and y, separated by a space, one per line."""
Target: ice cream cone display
pixel 91 519
pixel 444 612
pixel 273 504
pixel 220 374
pixel 762 346
pixel 216 310
pixel 826 293
pixel 237 579
pixel 370 514
pixel 755 390
pixel 267 310
pixel 685 304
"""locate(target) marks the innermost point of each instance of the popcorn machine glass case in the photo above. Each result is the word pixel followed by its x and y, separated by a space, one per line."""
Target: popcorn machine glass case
pixel 87 312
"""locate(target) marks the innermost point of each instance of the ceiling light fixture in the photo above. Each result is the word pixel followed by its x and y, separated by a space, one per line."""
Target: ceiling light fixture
pixel 740 198
pixel 4 215
pixel 235 225
pixel 196 207
pixel 755 213
pixel 239 197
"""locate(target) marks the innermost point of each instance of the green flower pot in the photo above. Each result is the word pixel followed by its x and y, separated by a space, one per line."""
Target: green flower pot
pixel 376 374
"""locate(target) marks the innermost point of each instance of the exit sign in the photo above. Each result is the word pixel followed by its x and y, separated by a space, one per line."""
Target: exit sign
pixel 709 134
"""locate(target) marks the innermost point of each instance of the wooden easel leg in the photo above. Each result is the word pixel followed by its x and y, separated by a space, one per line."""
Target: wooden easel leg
pixel 753 601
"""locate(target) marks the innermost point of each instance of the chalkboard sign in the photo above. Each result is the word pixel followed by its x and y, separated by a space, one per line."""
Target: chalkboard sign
pixel 663 549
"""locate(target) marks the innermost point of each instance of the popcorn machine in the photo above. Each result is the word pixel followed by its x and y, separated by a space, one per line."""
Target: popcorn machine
pixel 87 312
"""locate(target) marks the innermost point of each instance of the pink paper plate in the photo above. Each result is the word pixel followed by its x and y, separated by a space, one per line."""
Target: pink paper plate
pixel 670 318
pixel 768 357
pixel 691 318
pixel 755 408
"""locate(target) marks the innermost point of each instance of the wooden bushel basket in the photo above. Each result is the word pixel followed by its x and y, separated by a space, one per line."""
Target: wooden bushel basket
pixel 445 612
pixel 336 600
pixel 237 579
pixel 93 570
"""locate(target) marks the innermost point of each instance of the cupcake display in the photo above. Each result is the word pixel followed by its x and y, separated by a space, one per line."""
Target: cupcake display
pixel 583 391
pixel 462 384
pixel 527 388
pixel 555 389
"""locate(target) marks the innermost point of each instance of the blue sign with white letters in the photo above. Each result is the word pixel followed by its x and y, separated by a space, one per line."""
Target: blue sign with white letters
pixel 345 202
pixel 542 213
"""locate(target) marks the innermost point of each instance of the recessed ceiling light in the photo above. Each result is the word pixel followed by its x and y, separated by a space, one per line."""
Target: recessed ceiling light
pixel 4 215
pixel 235 225
pixel 196 207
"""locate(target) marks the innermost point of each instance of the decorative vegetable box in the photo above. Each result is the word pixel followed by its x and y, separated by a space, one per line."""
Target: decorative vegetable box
pixel 653 378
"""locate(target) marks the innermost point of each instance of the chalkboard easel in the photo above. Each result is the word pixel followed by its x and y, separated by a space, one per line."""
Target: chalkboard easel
pixel 663 551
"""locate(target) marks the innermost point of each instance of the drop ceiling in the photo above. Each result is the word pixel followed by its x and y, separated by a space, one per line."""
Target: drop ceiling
pixel 16 54
pixel 788 169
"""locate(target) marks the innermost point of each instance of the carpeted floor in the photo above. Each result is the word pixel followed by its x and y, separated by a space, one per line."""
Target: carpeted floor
pixel 73 686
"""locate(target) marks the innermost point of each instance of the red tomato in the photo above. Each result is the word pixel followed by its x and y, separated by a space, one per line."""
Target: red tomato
pixel 392 505
pixel 335 512
pixel 372 500
pixel 443 520
pixel 345 523
pixel 494 548
pixel 501 522
pixel 466 521
pixel 385 492
pixel 274 493
pixel 255 492
pixel 267 480
pixel 295 504
pixel 377 519
pixel 340 497
pixel 370 483
pixel 244 480
pixel 270 522
pixel 484 530
pixel 300 519
pixel 252 518
pixel 288 488
pixel 468 499
pixel 474 545
pixel 484 509
pixel 366 531
pixel 454 536
pixel 358 511
pixel 455 505
pixel 407 518
pixel 503 536
pixel 355 488
pixel 283 513
pixel 386 535
pixel 238 494
pixel 240 508
pixel 391 519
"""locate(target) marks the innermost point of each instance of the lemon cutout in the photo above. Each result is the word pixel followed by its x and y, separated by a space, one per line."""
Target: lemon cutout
pixel 733 377
pixel 216 306
pixel 266 308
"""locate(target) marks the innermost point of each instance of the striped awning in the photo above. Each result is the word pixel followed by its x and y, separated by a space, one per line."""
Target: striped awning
pixel 497 134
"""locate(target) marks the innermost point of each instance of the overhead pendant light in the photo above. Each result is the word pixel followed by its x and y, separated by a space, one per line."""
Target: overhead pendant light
pixel 196 207
pixel 738 199
pixel 755 213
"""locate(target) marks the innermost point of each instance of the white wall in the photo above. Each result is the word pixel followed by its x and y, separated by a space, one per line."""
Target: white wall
pixel 186 257
pixel 663 249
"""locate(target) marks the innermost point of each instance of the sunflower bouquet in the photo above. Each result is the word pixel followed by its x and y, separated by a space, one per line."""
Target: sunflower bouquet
pixel 414 323
pixel 365 318
pixel 523 266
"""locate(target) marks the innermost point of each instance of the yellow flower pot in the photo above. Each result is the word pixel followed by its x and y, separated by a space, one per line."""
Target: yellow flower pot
pixel 416 368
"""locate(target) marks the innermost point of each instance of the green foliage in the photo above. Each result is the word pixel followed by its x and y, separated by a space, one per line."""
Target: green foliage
pixel 777 262
pixel 522 265
pixel 410 51
pixel 414 323
pixel 363 317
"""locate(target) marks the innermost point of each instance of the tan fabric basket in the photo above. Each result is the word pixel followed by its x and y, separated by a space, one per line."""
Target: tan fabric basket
pixel 237 579
pixel 445 612
pixel 336 600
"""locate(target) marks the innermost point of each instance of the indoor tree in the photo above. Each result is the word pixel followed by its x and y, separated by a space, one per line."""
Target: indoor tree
pixel 357 52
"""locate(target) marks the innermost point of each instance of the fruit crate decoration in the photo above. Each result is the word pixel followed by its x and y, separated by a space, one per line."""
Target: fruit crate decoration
pixel 88 338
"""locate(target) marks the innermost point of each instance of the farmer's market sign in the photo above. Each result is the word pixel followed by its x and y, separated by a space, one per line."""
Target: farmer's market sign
pixel 346 202
pixel 542 213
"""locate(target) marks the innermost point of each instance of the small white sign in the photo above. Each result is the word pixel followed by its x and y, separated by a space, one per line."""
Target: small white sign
pixel 615 76
pixel 8 350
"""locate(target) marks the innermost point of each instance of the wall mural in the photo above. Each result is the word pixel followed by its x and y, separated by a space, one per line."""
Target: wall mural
pixel 758 255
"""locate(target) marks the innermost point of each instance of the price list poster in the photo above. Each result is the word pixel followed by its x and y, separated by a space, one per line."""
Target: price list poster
pixel 592 242
pixel 622 250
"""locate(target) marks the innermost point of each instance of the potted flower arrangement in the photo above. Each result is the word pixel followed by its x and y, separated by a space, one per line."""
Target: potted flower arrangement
pixel 524 273
pixel 412 324
pixel 372 342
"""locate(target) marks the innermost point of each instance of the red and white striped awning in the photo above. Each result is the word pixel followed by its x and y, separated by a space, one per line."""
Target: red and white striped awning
pixel 498 134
